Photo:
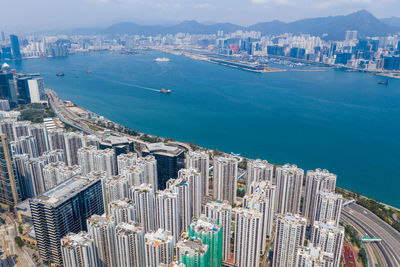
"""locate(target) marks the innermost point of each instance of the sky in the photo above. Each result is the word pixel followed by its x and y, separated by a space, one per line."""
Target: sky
pixel 64 14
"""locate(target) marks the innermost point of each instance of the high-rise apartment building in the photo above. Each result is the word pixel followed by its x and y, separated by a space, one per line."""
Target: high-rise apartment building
pixel 314 257
pixel 144 201
pixel 36 90
pixel 102 230
pixel 40 133
pixel 126 160
pixel 159 248
pixel 257 171
pixel 122 210
pixel 192 252
pixel 91 159
pixel 316 181
pixel 9 187
pixel 330 237
pixel 130 244
pixel 62 210
pixel 289 238
pixel 200 160
pixel 289 181
pixel 222 213
pixel 134 174
pixel 225 179
pixel 78 250
pixel 248 239
pixel 114 188
pixel 328 207
pixel 72 143
pixel 167 212
pixel 210 232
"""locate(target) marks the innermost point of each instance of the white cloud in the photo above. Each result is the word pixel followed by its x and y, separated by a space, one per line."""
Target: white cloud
pixel 204 6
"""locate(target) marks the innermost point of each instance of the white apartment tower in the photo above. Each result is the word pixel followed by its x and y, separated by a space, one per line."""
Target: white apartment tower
pixel 78 250
pixel 328 207
pixel 330 237
pixel 159 248
pixel 72 142
pixel 143 199
pixel 225 179
pixel 200 160
pixel 316 181
pixel 114 188
pixel 129 239
pixel 289 238
pixel 122 210
pixel 289 181
pixel 222 213
pixel 167 212
pixel 311 256
pixel 257 171
pixel 248 239
pixel 102 230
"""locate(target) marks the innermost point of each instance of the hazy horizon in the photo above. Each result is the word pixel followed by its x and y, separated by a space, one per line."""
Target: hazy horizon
pixel 25 15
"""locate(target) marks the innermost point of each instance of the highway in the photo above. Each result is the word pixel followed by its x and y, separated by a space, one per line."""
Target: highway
pixel 368 224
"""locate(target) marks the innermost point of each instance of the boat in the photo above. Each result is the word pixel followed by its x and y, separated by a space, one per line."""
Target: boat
pixel 165 91
pixel 88 71
pixel 384 83
pixel 60 74
pixel 162 59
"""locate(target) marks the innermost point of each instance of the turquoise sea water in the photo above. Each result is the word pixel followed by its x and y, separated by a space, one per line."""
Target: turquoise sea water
pixel 341 121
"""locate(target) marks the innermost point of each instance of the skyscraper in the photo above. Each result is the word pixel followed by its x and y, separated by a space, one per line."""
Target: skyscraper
pixel 114 188
pixel 181 188
pixel 328 207
pixel 192 252
pixel 193 177
pixel 259 170
pixel 15 47
pixel 25 145
pixel 316 181
pixel 167 212
pixel 126 160
pixel 78 250
pixel 130 244
pixel 200 160
pixel 225 179
pixel 102 230
pixel 91 159
pixel 134 174
pixel 122 210
pixel 36 90
pixel 210 232
pixel 72 142
pixel 39 132
pixel 248 239
pixel 159 248
pixel 222 213
pixel 289 237
pixel 169 159
pixel 9 187
pixel 143 198
pixel 313 257
pixel 7 88
pixel 289 181
pixel 330 237
pixel 62 210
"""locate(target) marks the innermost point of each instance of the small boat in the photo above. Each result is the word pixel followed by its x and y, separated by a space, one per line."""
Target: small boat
pixel 162 59
pixel 88 71
pixel 165 91
pixel 60 74
pixel 384 83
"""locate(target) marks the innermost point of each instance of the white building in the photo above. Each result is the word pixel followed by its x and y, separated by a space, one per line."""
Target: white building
pixel 330 237
pixel 316 181
pixel 72 142
pixel 92 159
pixel 130 244
pixel 191 249
pixel 144 201
pixel 257 171
pixel 225 179
pixel 222 212
pixel 36 90
pixel 311 256
pixel 102 230
pixel 159 248
pixel 289 182
pixel 78 250
pixel 289 238
pixel 126 160
pixel 248 239
pixel 135 174
pixel 122 210
pixel 167 212
pixel 114 188
pixel 200 160
pixel 328 207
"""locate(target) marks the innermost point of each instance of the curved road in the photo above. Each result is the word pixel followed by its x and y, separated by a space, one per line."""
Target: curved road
pixel 367 223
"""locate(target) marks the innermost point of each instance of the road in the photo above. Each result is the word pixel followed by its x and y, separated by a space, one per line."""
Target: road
pixel 68 117
pixel 368 224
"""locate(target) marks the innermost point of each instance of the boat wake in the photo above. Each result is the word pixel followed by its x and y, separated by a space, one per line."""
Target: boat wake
pixel 128 84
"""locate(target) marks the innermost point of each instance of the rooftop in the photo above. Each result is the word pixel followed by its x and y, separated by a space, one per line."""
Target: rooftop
pixel 163 148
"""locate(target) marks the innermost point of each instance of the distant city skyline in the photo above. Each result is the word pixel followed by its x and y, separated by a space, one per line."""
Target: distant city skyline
pixel 46 14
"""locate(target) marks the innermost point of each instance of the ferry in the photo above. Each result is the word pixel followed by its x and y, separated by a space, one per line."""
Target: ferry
pixel 162 59
pixel 165 91
pixel 60 74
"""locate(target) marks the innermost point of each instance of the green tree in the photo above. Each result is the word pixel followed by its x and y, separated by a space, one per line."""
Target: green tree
pixel 18 241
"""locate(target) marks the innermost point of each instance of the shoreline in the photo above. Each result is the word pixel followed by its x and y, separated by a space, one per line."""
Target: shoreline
pixel 187 145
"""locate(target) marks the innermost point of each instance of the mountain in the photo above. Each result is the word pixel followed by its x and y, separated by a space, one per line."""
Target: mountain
pixel 393 21
pixel 333 28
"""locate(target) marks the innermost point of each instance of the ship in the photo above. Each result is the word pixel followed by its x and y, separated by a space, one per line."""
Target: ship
pixel 162 59
pixel 165 91
pixel 88 71
pixel 60 74
pixel 384 83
